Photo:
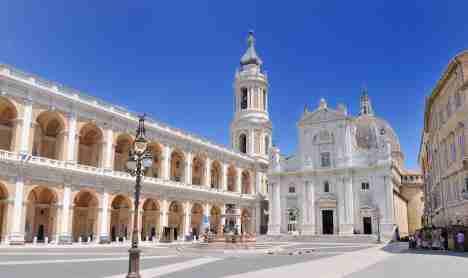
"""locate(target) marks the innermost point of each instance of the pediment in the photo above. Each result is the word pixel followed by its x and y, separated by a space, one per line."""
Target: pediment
pixel 321 115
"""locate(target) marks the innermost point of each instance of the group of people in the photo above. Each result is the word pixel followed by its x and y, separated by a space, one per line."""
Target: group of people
pixel 436 239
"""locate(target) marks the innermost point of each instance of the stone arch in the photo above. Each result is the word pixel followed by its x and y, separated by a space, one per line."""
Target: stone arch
pixel 246 183
pixel 49 135
pixel 198 170
pixel 3 212
pixel 243 143
pixel 85 215
pixel 177 166
pixel 175 218
pixel 150 219
pixel 196 219
pixel 215 220
pixel 215 174
pixel 123 144
pixel 246 222
pixel 41 214
pixel 231 179
pixel 156 169
pixel 120 218
pixel 90 145
pixel 8 126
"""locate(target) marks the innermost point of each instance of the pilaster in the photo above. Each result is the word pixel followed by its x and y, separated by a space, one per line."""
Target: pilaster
pixel 17 231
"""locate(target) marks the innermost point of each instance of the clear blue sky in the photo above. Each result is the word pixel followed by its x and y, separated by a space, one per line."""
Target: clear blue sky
pixel 176 59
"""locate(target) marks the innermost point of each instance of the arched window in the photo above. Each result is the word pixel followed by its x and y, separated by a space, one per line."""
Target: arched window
pixel 243 143
pixel 264 99
pixel 244 98
pixel 267 144
pixel 326 186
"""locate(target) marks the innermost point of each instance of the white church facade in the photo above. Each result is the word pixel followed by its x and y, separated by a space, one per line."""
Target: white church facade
pixel 346 178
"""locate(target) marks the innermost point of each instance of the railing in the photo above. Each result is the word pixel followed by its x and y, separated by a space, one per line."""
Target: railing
pixel 69 166
pixel 93 101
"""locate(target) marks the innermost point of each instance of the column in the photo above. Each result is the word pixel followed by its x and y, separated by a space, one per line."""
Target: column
pixel 239 180
pixel 105 217
pixel 71 155
pixel 309 213
pixel 223 219
pixel 258 182
pixel 251 142
pixel 274 223
pixel 224 176
pixel 188 168
pixel 166 162
pixel 349 205
pixel 258 217
pixel 65 233
pixel 164 217
pixel 26 127
pixel 238 219
pixel 187 218
pixel 341 207
pixel 386 210
pixel 109 150
pixel 208 172
pixel 17 231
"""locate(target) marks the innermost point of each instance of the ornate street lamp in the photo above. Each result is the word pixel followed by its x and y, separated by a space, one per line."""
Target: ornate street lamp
pixel 139 161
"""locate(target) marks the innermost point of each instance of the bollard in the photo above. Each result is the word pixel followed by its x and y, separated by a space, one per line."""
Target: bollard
pixel 35 240
pixel 46 240
pixel 80 240
pixel 154 240
pixel 89 240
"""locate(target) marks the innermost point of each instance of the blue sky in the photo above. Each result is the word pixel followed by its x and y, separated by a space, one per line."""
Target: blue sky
pixel 176 59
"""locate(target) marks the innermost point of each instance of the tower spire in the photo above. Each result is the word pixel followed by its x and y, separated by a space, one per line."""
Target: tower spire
pixel 366 106
pixel 250 56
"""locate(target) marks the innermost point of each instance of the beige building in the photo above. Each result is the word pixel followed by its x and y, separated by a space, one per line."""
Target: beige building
pixel 443 152
pixel 62 166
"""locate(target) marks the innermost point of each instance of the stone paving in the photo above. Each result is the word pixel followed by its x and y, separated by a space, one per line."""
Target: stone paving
pixel 325 258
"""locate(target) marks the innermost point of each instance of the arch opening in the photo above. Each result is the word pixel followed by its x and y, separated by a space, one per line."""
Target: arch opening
pixel 120 218
pixel 85 214
pixel 41 214
pixel 90 145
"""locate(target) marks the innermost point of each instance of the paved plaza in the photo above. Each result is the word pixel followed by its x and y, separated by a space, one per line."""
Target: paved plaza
pixel 276 259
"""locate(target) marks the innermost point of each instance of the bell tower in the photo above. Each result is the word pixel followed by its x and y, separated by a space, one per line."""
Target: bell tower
pixel 251 128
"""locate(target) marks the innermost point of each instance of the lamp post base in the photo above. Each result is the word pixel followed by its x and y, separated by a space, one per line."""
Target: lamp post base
pixel 134 263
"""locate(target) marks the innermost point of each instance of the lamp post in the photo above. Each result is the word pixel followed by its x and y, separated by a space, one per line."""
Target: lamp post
pixel 139 160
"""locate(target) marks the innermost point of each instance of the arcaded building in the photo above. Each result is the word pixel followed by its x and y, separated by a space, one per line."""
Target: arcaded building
pixel 63 176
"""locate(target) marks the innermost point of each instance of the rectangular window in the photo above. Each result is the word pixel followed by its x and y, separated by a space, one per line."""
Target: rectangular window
pixel 326 187
pixel 292 189
pixel 325 159
pixel 365 186
pixel 264 99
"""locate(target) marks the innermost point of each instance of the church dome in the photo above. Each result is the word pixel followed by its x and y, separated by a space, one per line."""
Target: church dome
pixel 368 130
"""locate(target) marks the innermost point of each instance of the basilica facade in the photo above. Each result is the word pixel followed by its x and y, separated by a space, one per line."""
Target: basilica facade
pixel 346 178
pixel 63 176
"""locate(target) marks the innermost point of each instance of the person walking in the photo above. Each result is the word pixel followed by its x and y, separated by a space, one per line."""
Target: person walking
pixel 461 241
